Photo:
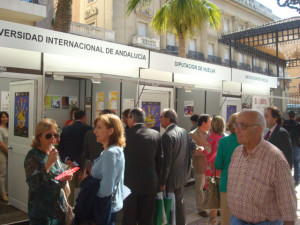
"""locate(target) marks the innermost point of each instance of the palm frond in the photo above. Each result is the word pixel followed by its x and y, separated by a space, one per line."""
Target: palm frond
pixel 132 4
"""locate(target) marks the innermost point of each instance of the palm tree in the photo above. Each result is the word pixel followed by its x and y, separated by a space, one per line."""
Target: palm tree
pixel 132 4
pixel 63 16
pixel 183 17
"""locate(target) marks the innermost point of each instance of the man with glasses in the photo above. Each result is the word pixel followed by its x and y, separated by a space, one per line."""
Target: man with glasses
pixel 70 147
pixel 276 134
pixel 260 187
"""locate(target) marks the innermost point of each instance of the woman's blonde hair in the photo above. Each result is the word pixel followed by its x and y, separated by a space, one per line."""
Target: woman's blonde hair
pixel 232 120
pixel 218 125
pixel 42 126
pixel 112 121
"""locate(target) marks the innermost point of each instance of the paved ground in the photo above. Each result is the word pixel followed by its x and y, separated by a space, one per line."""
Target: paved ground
pixel 9 214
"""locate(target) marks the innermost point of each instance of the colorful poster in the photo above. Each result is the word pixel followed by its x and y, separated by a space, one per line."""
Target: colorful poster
pixel 113 100
pixel 73 101
pixel 100 97
pixel 231 109
pixel 4 101
pixel 99 102
pixel 152 111
pixel 47 102
pixel 55 102
pixel 65 102
pixel 21 114
pixel 188 108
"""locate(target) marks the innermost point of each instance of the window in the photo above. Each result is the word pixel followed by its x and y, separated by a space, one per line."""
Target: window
pixel 142 29
pixel 171 39
pixel 192 45
pixel 89 1
pixel 210 49
pixel 92 23
pixel 227 54
pixel 241 58
pixel 240 27
pixel 254 61
pixel 225 25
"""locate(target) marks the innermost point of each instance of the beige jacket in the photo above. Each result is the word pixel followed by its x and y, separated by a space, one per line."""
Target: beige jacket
pixel 199 161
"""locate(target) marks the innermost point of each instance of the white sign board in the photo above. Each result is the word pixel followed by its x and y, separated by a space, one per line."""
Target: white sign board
pixel 243 76
pixel 25 37
pixel 259 103
pixel 180 65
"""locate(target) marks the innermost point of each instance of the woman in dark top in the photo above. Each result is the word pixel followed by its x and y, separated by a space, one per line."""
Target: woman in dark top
pixel 46 204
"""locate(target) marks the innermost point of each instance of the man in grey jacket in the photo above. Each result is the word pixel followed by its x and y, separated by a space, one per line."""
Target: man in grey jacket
pixel 178 149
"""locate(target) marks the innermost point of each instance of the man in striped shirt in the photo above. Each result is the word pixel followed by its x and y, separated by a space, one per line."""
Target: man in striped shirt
pixel 260 186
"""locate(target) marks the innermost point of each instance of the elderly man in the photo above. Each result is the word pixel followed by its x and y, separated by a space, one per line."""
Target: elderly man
pixel 260 186
pixel 143 162
pixel 178 148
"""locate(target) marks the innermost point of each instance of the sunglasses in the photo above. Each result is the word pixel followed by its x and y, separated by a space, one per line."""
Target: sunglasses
pixel 49 135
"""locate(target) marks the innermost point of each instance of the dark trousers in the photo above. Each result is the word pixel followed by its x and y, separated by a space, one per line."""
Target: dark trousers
pixel 180 206
pixel 296 156
pixel 138 209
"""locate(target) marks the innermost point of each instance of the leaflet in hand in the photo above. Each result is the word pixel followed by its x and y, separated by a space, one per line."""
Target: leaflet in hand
pixel 66 173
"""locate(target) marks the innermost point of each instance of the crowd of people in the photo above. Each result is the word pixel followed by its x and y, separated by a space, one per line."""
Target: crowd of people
pixel 254 167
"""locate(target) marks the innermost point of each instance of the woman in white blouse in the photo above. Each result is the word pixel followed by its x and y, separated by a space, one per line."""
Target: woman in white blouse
pixel 3 153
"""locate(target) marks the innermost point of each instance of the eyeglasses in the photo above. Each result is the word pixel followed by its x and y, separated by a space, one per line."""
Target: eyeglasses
pixel 49 135
pixel 243 126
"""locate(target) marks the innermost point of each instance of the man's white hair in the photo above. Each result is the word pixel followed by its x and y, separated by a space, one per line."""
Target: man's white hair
pixel 260 119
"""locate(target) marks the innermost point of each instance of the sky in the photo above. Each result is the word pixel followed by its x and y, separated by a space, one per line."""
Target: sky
pixel 282 12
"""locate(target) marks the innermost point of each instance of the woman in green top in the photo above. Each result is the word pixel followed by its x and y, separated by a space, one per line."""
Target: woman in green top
pixel 46 204
pixel 225 150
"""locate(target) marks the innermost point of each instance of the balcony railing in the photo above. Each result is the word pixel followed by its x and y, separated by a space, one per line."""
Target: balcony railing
pixel 92 31
pixel 195 55
pixel 245 66
pixel 214 59
pixel 172 49
pixel 257 69
pixel 146 42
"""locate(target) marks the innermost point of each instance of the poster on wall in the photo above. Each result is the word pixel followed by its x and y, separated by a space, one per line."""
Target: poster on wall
pixel 99 102
pixel 21 114
pixel 127 104
pixel 4 101
pixel 188 108
pixel 152 113
pixel 65 102
pixel 55 102
pixel 47 102
pixel 113 100
pixel 73 101
pixel 231 109
pixel 88 102
pixel 259 103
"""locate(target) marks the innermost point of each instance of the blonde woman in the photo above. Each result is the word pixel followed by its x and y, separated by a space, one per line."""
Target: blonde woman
pixel 225 150
pixel 110 165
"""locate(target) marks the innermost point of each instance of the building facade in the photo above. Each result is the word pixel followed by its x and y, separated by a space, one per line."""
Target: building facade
pixel 107 19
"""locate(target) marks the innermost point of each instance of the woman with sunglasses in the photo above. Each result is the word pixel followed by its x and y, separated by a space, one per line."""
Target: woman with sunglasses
pixel 46 203
pixel 109 166
pixel 3 153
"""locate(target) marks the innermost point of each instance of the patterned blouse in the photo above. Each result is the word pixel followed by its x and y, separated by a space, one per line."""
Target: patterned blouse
pixel 46 203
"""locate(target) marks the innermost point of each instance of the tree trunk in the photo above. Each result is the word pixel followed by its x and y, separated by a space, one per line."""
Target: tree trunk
pixel 181 46
pixel 63 16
